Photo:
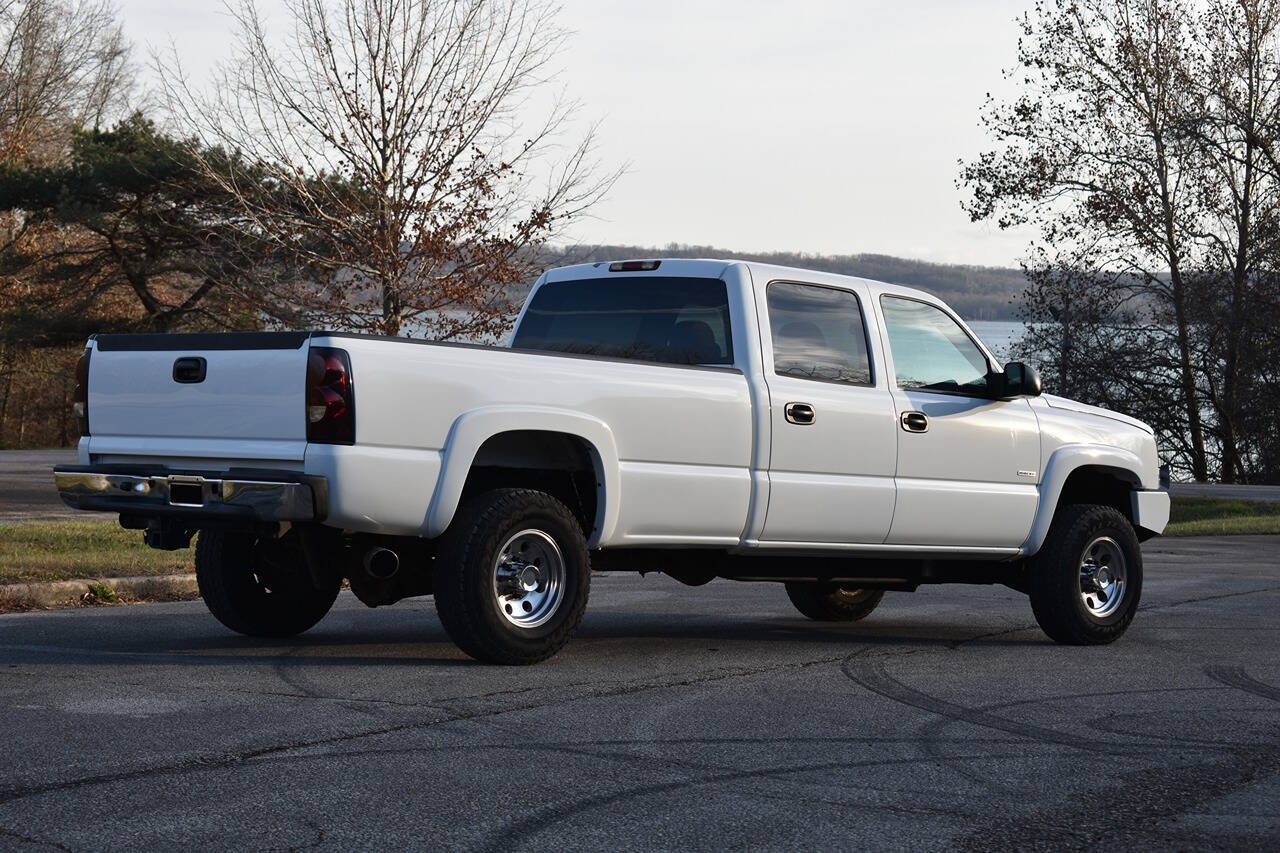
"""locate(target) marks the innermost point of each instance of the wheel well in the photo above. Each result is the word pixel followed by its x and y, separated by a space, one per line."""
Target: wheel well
pixel 562 465
pixel 1095 484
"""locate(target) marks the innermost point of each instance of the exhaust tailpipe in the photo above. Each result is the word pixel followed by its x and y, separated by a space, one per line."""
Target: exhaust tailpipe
pixel 381 563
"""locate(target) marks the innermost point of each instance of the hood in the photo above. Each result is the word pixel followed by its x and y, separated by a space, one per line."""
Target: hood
pixel 1084 408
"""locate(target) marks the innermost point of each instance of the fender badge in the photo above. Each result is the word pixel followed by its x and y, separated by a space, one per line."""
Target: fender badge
pixel 1027 474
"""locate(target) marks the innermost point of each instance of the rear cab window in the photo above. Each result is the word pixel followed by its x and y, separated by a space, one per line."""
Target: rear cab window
pixel 662 319
pixel 818 333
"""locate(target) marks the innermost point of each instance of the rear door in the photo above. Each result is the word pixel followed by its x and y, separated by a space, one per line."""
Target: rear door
pixel 239 395
pixel 833 452
pixel 966 464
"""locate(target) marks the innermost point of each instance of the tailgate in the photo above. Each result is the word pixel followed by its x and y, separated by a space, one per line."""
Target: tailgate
pixel 154 393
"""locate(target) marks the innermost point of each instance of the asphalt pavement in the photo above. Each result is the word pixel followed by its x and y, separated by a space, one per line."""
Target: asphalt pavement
pixel 26 485
pixel 679 718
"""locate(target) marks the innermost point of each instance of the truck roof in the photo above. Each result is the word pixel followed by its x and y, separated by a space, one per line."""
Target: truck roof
pixel 715 268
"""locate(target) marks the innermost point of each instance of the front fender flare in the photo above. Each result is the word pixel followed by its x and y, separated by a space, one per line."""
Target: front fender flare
pixel 474 428
pixel 1061 463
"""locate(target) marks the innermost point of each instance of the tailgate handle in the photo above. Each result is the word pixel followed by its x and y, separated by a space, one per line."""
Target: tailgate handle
pixel 189 370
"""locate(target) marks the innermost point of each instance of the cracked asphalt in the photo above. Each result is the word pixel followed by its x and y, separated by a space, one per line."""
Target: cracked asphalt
pixel 680 718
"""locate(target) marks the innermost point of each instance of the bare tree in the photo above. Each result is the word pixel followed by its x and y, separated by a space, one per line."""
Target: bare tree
pixel 400 172
pixel 1092 150
pixel 1144 140
pixel 64 64
pixel 1236 81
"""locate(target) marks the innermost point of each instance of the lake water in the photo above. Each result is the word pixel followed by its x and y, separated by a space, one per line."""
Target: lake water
pixel 998 335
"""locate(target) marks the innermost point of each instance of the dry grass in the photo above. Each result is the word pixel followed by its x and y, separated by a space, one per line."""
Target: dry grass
pixel 70 550
pixel 1217 517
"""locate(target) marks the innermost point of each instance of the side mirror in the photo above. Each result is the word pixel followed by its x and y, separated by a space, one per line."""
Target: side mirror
pixel 1020 380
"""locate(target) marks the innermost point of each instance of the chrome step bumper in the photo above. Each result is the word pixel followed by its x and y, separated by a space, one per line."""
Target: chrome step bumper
pixel 157 492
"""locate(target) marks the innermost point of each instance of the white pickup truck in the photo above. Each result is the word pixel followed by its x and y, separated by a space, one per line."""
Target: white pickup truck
pixel 695 417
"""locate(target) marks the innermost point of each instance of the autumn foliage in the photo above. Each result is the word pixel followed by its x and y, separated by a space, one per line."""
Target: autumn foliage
pixel 379 170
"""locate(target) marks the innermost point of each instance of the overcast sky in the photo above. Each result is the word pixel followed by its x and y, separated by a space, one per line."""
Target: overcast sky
pixel 829 126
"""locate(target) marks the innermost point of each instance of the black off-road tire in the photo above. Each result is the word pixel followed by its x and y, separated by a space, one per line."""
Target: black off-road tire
pixel 465 568
pixel 833 603
pixel 259 587
pixel 1055 576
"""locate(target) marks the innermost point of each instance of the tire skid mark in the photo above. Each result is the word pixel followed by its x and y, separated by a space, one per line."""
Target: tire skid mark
pixel 615 749
pixel 1235 676
pixel 1144 608
pixel 320 837
pixel 12 792
pixel 225 689
pixel 1125 815
pixel 37 842
pixel 1175 741
pixel 874 677
pixel 500 839
pixel 1170 604
pixel 197 658
pixel 1115 724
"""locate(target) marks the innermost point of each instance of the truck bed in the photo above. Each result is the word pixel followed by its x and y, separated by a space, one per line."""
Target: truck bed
pixel 681 437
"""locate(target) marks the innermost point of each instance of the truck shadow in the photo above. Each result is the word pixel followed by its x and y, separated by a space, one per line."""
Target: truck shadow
pixel 413 638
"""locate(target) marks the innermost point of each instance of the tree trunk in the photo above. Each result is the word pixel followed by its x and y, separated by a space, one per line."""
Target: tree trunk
pixel 1187 377
pixel 1190 395
pixel 64 431
pixel 1064 355
pixel 22 423
pixel 1229 413
pixel 5 353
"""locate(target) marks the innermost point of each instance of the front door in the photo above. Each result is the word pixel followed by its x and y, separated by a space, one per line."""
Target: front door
pixel 967 465
pixel 834 447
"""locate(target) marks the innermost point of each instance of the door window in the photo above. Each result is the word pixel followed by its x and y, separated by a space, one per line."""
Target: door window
pixel 818 333
pixel 930 349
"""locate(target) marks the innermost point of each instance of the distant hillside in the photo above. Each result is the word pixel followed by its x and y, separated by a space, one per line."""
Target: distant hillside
pixel 977 293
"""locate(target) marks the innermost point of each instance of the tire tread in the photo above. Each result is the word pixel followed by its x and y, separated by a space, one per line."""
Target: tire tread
pixel 219 556
pixel 1054 576
pixel 819 603
pixel 460 595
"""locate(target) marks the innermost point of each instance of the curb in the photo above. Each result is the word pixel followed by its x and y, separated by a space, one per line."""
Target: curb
pixel 23 596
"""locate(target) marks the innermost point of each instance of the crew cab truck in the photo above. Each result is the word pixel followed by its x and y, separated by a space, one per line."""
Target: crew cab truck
pixel 702 418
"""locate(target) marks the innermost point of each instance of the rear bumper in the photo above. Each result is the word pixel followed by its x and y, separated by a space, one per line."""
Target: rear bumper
pixel 249 494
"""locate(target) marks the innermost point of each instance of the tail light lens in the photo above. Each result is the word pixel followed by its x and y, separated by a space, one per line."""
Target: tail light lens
pixel 331 402
pixel 80 395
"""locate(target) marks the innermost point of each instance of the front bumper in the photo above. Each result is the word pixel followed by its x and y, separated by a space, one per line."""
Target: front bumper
pixel 248 494
pixel 1150 511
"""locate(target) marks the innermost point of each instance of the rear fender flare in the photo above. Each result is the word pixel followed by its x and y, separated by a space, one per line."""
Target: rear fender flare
pixel 473 428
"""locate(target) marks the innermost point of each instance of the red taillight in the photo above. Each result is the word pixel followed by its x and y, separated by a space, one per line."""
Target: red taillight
pixel 80 395
pixel 331 402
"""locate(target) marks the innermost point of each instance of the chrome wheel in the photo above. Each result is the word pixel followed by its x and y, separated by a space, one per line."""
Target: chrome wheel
pixel 1103 577
pixel 529 578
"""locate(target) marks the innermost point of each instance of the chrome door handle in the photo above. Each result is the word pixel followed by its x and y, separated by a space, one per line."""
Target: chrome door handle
pixel 800 413
pixel 914 421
